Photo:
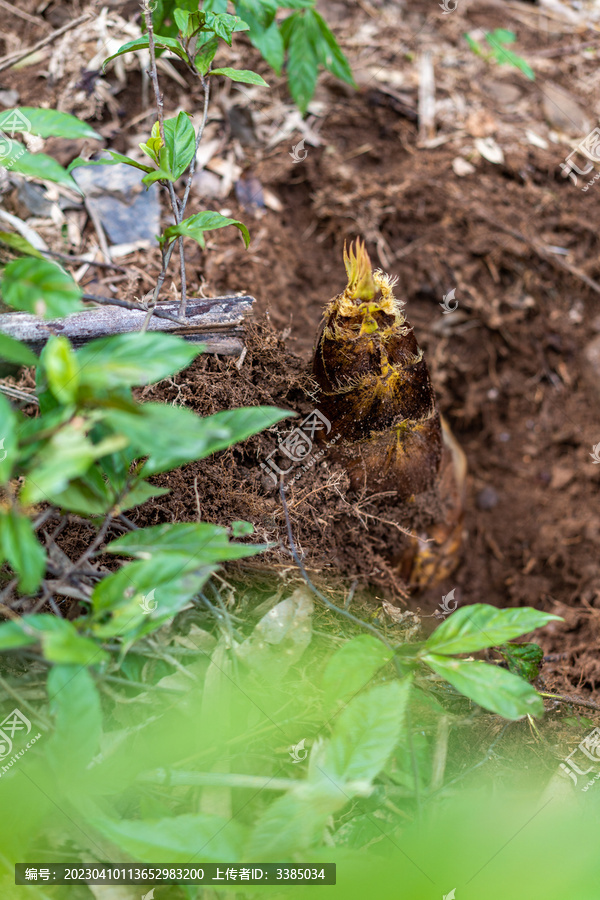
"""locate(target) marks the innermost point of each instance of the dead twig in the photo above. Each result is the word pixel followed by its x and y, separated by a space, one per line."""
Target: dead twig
pixel 7 61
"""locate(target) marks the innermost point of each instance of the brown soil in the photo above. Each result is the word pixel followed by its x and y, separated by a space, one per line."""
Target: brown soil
pixel 508 366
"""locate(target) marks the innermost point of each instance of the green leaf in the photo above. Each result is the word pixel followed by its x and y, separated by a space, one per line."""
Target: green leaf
pixel 500 36
pixel 45 123
pixel 15 157
pixel 199 541
pixel 75 705
pixel 112 160
pixel 524 660
pixel 224 25
pixel 88 495
pixel 19 243
pixel 152 427
pixel 14 351
pixel 245 76
pixel 329 52
pixel 28 630
pixel 180 143
pixel 176 838
pixel 206 54
pixel 169 580
pixel 66 456
pixel 67 647
pixel 142 43
pixel 303 64
pixel 19 545
pixel 61 368
pixel 473 44
pixel 269 43
pixel 490 686
pixel 133 359
pixel 352 666
pixel 365 733
pixel 476 627
pixel 196 226
pixel 40 287
pixel 8 439
pixel 139 494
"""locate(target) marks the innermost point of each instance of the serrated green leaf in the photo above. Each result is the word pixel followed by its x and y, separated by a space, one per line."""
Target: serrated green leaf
pixel 329 51
pixel 303 64
pixel 224 25
pixel 479 626
pixel 244 76
pixel 206 54
pixel 524 660
pixel 20 546
pixel 40 287
pixel 490 686
pixel 45 123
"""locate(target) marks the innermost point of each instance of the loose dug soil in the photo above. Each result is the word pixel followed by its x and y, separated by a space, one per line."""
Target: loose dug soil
pixel 517 241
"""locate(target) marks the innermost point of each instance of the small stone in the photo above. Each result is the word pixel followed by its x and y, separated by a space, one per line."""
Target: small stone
pixel 462 167
pixel 487 498
pixel 127 210
pixel 562 110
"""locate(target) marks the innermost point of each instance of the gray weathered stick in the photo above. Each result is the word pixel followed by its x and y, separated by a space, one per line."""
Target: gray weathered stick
pixel 216 322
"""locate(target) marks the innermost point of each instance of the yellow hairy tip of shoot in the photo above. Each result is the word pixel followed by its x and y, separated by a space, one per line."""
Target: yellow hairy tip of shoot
pixel 361 284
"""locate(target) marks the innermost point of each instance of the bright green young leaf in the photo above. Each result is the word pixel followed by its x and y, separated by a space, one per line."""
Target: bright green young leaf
pixel 180 143
pixel 20 244
pixel 365 733
pixel 352 666
pixel 20 546
pixel 28 630
pixel 112 160
pixel 176 838
pixel 45 123
pixel 61 368
pixel 196 226
pixel 133 359
pixel 269 43
pixel 501 36
pixel 244 76
pixel 141 43
pixel 8 438
pixel 75 706
pixel 475 627
pixel 15 158
pixel 200 542
pixel 489 686
pixel 86 496
pixel 40 287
